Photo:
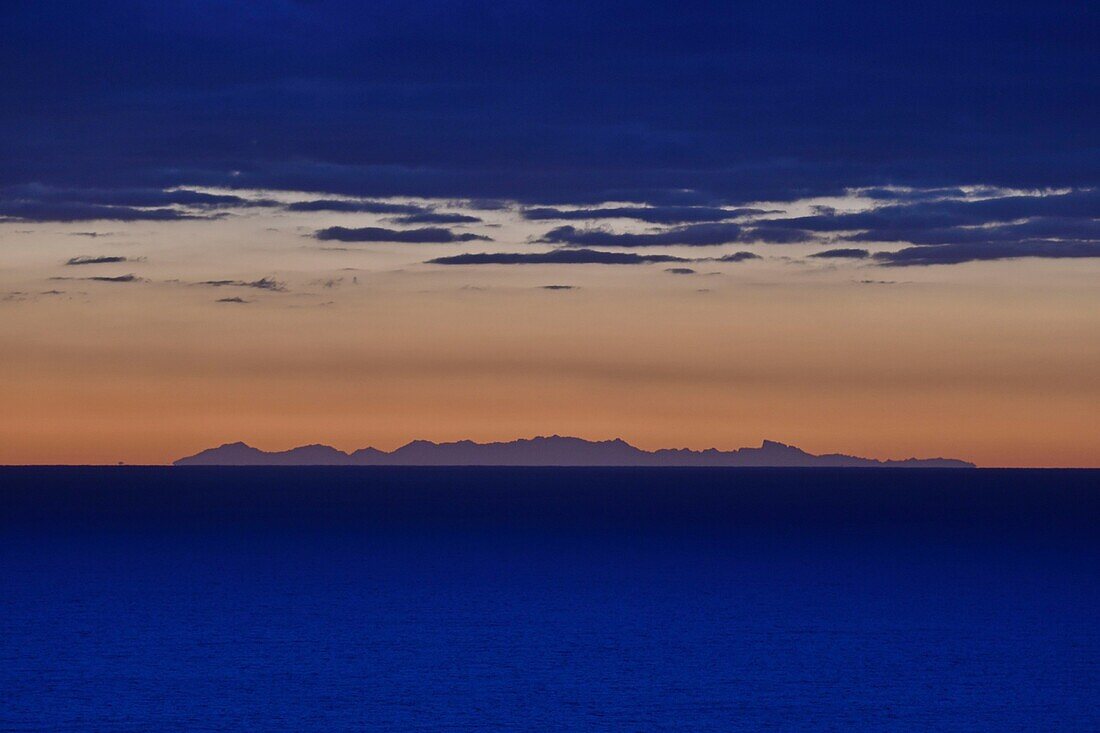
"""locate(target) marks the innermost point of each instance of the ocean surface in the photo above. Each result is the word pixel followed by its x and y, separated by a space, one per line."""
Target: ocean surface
pixel 477 599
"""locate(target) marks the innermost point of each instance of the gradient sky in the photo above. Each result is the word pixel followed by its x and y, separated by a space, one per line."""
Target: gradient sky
pixel 852 227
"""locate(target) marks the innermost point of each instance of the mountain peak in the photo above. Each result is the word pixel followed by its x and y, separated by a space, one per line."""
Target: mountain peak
pixel 775 445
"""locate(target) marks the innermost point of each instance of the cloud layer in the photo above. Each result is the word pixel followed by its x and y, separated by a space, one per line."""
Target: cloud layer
pixel 563 103
pixel 968 126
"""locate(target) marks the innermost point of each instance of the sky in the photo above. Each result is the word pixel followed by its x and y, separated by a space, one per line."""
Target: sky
pixel 854 227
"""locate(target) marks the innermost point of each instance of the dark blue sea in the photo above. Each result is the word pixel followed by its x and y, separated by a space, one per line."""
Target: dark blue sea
pixel 478 599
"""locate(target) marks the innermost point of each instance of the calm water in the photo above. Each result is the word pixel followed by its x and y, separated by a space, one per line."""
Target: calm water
pixel 548 599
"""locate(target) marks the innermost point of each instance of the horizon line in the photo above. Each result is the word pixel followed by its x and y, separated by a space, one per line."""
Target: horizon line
pixel 683 450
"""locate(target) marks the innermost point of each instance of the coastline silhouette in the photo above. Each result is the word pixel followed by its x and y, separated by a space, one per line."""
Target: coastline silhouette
pixel 551 450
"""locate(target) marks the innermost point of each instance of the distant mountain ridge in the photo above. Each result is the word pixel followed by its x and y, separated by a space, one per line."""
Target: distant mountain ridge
pixel 551 450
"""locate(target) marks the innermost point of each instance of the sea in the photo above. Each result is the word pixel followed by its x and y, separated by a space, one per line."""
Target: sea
pixel 549 599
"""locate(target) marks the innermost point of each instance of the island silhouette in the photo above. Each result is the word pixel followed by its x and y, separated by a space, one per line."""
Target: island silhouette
pixel 554 450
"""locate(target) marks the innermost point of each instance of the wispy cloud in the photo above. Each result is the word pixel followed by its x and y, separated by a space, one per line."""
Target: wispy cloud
pixel 129 278
pixel 68 212
pixel 98 260
pixel 651 214
pixel 694 235
pixel 264 283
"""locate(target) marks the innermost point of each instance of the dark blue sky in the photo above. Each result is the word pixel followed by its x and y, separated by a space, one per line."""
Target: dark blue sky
pixel 551 103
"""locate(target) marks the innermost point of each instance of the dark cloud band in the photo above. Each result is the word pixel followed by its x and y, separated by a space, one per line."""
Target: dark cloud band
pixel 425 235
pixel 556 257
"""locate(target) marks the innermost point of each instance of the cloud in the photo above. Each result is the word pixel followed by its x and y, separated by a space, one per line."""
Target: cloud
pixel 482 204
pixel 1037 223
pixel 952 254
pixel 361 207
pixel 264 283
pixel 842 253
pixel 19 296
pixel 37 202
pixel 737 257
pixel 679 270
pixel 101 260
pixel 67 212
pixel 425 235
pixel 126 196
pixel 559 104
pixel 775 235
pixel 652 214
pixel 556 257
pixel 694 235
pixel 884 193
pixel 435 217
pixel 900 222
pixel 1062 228
pixel 131 278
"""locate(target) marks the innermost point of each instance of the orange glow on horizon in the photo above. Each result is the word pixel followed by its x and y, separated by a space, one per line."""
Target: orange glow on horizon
pixel 154 373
